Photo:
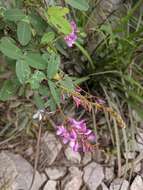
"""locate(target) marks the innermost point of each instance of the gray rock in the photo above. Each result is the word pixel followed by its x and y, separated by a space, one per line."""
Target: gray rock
pixel 93 175
pixel 43 177
pixel 8 172
pixel 16 173
pixel 104 187
pixel 72 156
pixel 137 183
pixel 86 158
pixel 119 184
pixel 51 147
pixel 50 185
pixel 73 181
pixel 55 173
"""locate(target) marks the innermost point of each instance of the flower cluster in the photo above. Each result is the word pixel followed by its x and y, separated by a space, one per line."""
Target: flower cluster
pixel 79 137
pixel 72 37
pixel 81 100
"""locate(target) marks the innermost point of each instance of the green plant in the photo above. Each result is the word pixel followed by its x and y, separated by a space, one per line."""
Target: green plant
pixel 33 47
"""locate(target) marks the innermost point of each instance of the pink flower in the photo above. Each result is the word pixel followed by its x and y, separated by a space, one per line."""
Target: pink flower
pixel 72 37
pixel 73 135
pixel 79 137
pixel 81 125
pixel 62 131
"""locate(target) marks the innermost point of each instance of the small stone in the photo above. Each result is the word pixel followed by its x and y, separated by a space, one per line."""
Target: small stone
pixel 51 147
pixel 137 183
pixel 16 173
pixel 43 178
pixel 109 173
pixel 93 175
pixel 8 171
pixel 50 185
pixel 119 184
pixel 72 156
pixel 73 181
pixel 104 187
pixel 86 158
pixel 55 173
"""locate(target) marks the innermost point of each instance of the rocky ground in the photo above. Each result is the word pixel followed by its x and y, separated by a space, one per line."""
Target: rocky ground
pixel 60 168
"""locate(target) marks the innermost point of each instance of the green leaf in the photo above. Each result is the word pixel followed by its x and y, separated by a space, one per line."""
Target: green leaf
pixel 54 92
pixel 36 79
pixel 8 90
pixel 53 65
pixel 67 83
pixel 56 16
pixel 78 81
pixel 14 15
pixel 39 25
pixel 61 24
pixel 51 103
pixel 24 33
pixel 22 71
pixel 36 61
pixel 79 4
pixel 58 10
pixel 39 101
pixel 44 90
pixel 86 54
pixel 9 49
pixel 48 37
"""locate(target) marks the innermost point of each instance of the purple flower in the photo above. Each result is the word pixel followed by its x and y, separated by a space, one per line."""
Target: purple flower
pixel 73 135
pixel 63 132
pixel 72 37
pixel 80 125
pixel 79 137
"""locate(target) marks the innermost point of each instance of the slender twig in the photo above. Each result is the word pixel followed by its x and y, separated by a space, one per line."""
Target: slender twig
pixel 37 154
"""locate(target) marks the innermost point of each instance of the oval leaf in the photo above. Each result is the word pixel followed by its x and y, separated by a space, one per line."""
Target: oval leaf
pixel 48 37
pixel 23 33
pixel 22 71
pixel 56 16
pixel 36 61
pixel 9 49
pixel 54 92
pixel 36 79
pixel 14 15
pixel 79 4
pixel 8 90
pixel 68 84
pixel 53 65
